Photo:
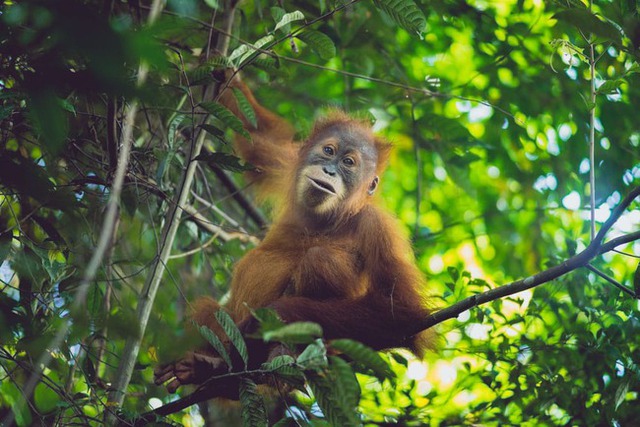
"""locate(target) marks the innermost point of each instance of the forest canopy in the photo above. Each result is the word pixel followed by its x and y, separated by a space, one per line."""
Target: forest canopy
pixel 515 173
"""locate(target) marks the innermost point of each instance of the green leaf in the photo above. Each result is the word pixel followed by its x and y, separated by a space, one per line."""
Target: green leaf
pixel 288 18
pixel 278 362
pixel 218 63
pixel 217 345
pixel 234 334
pixel 224 161
pixel 445 129
pixel 634 69
pixel 45 398
pixel 609 86
pixel 334 391
pixel 295 333
pixel 268 318
pixel 5 112
pixel 67 106
pixel 278 13
pixel 242 54
pixel 621 392
pixel 270 64
pixel 254 413
pixel 399 358
pixel 200 76
pixel 203 74
pixel 589 23
pixel 238 53
pixel 245 106
pixel 314 357
pixel 405 13
pixel 48 116
pixel 214 131
pixel 173 127
pixel 453 273
pixel 365 356
pixel 213 4
pixel 319 42
pixel 226 116
pixel 130 199
pixel 286 368
pixel 345 382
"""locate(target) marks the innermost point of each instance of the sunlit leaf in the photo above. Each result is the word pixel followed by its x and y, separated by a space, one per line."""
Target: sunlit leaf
pixel 45 398
pixel 288 18
pixel 240 56
pixel 213 4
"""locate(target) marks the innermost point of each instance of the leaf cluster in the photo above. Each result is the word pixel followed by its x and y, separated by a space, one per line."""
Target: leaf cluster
pixel 488 106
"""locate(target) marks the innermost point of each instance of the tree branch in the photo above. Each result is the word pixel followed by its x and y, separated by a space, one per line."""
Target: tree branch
pixel 109 225
pixel 611 280
pixel 580 260
pixel 239 197
pixel 594 249
pixel 148 294
pixel 200 395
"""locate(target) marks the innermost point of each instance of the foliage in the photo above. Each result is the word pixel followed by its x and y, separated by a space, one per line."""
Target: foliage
pixel 491 106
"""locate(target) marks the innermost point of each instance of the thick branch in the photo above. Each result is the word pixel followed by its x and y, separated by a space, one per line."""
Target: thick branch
pixel 595 248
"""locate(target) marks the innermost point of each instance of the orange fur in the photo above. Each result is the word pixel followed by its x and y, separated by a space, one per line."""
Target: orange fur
pixel 335 271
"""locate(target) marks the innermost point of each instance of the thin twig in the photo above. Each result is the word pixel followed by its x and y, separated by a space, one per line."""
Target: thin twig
pixel 611 280
pixel 172 220
pixel 102 247
pixel 592 131
pixel 592 141
pixel 416 152
pixel 423 91
pixel 626 254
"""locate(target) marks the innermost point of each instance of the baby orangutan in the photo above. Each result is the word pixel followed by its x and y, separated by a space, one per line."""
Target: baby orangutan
pixel 331 256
